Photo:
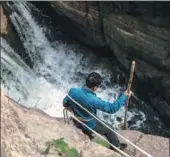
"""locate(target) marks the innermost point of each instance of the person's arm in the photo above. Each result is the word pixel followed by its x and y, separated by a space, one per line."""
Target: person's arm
pixel 66 102
pixel 110 107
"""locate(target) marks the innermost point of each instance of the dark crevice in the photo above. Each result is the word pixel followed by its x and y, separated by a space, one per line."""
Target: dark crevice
pixel 100 6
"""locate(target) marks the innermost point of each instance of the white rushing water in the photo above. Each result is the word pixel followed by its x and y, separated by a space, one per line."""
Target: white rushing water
pixel 57 67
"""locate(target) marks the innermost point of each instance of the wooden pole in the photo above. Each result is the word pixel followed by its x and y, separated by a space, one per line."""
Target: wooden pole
pixel 128 89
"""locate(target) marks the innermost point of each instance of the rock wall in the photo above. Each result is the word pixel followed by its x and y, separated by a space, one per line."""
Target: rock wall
pixel 25 132
pixel 137 31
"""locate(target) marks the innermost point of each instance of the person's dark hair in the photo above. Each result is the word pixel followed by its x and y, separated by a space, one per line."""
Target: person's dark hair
pixel 93 79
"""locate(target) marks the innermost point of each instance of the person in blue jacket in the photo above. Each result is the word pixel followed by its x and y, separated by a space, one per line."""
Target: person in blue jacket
pixel 88 99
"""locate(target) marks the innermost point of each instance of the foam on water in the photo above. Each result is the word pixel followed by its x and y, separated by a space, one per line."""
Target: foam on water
pixel 57 67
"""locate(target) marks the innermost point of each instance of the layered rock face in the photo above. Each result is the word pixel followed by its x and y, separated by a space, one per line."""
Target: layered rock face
pixel 137 31
pixel 24 133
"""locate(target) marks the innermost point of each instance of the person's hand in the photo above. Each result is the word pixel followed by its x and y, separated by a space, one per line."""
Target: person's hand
pixel 128 93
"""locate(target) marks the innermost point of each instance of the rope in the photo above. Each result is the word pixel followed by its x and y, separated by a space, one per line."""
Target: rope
pixel 148 155
pixel 120 151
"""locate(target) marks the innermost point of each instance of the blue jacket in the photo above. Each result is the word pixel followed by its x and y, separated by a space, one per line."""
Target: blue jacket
pixel 91 102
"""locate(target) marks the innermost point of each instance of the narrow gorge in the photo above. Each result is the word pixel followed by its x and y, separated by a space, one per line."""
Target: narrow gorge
pixel 49 47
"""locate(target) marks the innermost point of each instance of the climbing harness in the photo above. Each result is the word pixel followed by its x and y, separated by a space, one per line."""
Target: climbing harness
pixel 66 117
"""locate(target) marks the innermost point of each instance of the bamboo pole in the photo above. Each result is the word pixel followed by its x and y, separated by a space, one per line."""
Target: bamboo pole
pixel 128 90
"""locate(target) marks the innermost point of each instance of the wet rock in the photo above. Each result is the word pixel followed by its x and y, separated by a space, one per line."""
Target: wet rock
pixel 129 42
